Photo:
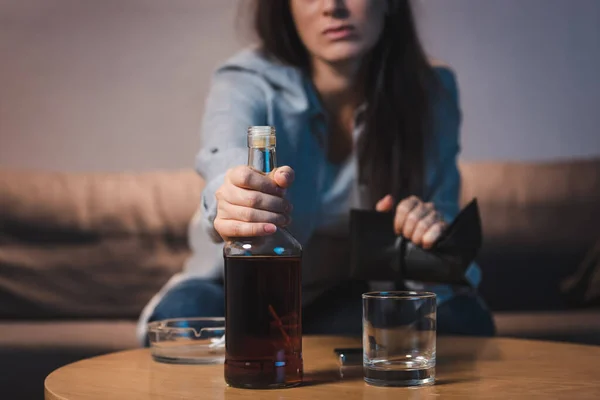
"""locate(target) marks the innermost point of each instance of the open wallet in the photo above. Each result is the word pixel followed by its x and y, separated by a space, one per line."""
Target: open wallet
pixel 378 254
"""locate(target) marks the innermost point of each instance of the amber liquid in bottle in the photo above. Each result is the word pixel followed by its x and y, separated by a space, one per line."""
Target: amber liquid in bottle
pixel 263 325
pixel 263 321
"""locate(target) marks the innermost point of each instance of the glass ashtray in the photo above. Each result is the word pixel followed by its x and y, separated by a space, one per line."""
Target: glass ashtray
pixel 188 340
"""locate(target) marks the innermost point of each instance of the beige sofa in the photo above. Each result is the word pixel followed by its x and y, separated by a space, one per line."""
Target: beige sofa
pixel 81 254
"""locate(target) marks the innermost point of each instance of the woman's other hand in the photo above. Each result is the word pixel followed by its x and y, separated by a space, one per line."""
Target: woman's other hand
pixel 252 204
pixel 417 221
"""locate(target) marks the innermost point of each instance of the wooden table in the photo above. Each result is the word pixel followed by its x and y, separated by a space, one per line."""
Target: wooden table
pixel 467 368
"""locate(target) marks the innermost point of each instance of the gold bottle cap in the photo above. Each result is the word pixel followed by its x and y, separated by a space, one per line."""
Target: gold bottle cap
pixel 261 136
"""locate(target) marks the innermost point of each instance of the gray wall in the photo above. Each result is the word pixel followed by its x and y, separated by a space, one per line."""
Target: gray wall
pixel 120 84
pixel 107 84
pixel 529 72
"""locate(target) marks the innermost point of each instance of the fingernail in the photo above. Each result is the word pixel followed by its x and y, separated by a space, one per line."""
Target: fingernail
pixel 431 236
pixel 270 228
pixel 286 175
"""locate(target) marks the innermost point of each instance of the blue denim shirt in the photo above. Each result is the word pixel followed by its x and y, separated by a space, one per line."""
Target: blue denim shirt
pixel 251 89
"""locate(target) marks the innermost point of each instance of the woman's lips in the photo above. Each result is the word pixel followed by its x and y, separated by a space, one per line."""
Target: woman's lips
pixel 339 32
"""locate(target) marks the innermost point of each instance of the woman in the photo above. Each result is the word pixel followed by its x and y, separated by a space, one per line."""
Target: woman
pixel 363 120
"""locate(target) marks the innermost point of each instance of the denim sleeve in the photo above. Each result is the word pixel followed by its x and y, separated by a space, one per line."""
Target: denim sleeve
pixel 444 185
pixel 235 101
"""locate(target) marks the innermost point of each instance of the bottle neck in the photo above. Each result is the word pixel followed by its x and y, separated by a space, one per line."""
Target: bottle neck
pixel 262 159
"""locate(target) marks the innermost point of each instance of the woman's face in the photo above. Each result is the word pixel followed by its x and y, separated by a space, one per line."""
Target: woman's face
pixel 339 30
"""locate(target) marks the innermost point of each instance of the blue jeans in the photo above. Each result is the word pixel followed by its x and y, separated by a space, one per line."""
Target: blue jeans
pixel 337 312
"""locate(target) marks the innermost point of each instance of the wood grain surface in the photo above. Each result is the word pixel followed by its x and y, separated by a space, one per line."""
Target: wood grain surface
pixel 467 368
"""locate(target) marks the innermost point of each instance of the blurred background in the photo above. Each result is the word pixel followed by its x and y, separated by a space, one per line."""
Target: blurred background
pixel 120 84
pixel 100 105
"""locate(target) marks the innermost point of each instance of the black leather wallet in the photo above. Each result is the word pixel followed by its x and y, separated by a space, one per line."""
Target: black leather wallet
pixel 378 254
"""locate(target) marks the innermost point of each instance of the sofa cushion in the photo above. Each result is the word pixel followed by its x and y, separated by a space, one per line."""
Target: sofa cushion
pixel 90 245
pixel 539 220
pixel 100 245
pixel 571 326
pixel 98 336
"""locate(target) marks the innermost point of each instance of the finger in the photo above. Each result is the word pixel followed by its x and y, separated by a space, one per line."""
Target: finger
pixel 247 214
pixel 433 233
pixel 228 228
pixel 386 204
pixel 423 226
pixel 255 199
pixel 413 218
pixel 247 178
pixel 402 211
pixel 283 176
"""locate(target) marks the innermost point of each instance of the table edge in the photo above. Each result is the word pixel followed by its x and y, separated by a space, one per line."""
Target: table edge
pixel 50 395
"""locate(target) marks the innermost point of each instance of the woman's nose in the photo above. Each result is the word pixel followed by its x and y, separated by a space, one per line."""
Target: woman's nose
pixel 335 8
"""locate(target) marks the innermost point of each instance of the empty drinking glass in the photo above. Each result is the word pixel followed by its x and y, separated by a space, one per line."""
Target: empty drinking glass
pixel 399 332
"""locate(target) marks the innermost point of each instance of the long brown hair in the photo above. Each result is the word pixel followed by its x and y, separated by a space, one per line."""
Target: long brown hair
pixel 400 80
